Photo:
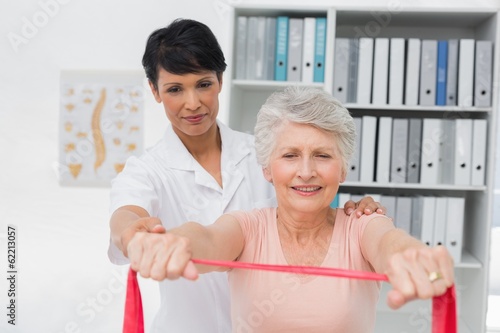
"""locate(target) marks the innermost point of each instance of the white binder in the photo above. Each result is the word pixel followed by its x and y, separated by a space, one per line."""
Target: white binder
pixel 465 72
pixel 368 141
pixel 414 150
pixel 380 71
pixel 308 50
pixel 482 73
pixel 384 142
pixel 454 227
pixel 341 69
pixel 241 47
pixel 251 47
pixel 403 213
pixel 431 150
pixel 352 89
pixel 260 49
pixel 478 163
pixel 399 155
pixel 270 48
pixel 294 64
pixel 389 202
pixel 452 72
pixel 375 196
pixel 417 206
pixel 428 212
pixel 412 81
pixel 447 157
pixel 354 163
pixel 396 71
pixel 463 151
pixel 365 67
pixel 440 221
pixel 428 72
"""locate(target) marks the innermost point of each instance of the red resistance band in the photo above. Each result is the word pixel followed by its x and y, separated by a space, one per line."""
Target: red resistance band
pixel 444 312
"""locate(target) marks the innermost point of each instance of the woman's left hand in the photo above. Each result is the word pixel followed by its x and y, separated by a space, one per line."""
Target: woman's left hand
pixel 421 273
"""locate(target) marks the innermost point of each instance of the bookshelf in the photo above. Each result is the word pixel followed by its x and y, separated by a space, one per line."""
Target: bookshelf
pixel 246 96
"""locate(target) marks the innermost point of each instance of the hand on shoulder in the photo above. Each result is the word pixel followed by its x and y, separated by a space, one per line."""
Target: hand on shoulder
pixel 365 206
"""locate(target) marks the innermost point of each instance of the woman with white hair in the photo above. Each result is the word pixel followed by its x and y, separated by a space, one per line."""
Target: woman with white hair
pixel 304 139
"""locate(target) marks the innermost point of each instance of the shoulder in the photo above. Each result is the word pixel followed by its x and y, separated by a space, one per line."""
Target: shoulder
pixel 239 149
pixel 139 164
pixel 259 215
pixel 158 157
pixel 255 220
pixel 357 225
pixel 158 150
pixel 144 167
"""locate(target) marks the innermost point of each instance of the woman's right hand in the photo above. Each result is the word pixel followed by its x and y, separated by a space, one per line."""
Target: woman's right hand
pixel 155 253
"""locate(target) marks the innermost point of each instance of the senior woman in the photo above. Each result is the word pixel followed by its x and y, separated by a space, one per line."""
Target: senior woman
pixel 304 139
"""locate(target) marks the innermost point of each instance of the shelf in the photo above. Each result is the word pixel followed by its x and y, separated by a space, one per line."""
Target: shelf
pixel 478 22
pixel 272 10
pixel 431 17
pixel 410 186
pixel 265 85
pixel 418 108
pixel 469 261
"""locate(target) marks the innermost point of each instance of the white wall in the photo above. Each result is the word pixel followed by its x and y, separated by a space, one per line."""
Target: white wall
pixel 65 282
pixel 65 279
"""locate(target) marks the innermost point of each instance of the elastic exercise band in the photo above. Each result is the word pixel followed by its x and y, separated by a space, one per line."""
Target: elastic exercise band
pixel 444 312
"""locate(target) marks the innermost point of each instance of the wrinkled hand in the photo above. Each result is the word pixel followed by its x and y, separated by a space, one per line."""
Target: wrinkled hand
pixel 365 206
pixel 409 273
pixel 160 255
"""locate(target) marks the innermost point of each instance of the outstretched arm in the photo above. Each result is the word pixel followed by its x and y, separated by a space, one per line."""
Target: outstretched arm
pixel 128 220
pixel 167 255
pixel 414 269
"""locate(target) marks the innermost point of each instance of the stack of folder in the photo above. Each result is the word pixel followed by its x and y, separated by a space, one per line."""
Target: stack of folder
pixel 280 48
pixel 414 150
pixel 433 220
pixel 398 71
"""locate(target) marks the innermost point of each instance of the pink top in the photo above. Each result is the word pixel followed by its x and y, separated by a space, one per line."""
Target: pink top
pixel 263 301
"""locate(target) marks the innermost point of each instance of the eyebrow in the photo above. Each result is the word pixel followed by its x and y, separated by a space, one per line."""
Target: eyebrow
pixel 178 83
pixel 315 149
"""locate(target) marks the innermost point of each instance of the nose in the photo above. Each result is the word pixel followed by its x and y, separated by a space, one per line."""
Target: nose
pixel 307 169
pixel 192 100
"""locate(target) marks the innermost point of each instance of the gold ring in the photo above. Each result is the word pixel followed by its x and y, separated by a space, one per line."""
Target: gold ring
pixel 434 276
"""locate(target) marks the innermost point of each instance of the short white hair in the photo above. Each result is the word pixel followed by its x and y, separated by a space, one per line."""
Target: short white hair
pixel 303 105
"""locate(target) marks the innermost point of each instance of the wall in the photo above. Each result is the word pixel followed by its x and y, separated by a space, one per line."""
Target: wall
pixel 65 279
pixel 65 282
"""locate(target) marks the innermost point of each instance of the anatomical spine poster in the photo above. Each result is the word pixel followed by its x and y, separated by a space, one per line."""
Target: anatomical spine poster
pixel 100 124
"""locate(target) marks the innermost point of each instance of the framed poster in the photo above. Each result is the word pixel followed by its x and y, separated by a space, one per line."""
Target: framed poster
pixel 100 124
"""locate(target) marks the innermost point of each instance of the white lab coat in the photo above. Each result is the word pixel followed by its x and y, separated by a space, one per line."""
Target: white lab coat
pixel 170 184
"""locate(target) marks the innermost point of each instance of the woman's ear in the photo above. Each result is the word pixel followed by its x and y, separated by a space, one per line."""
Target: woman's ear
pixel 220 83
pixel 343 176
pixel 155 92
pixel 267 175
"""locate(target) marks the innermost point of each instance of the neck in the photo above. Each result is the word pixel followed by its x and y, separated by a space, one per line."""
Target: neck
pixel 203 145
pixel 302 227
pixel 306 241
pixel 206 149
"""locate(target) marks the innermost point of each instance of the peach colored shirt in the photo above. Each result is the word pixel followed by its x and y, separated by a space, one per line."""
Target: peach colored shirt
pixel 263 301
